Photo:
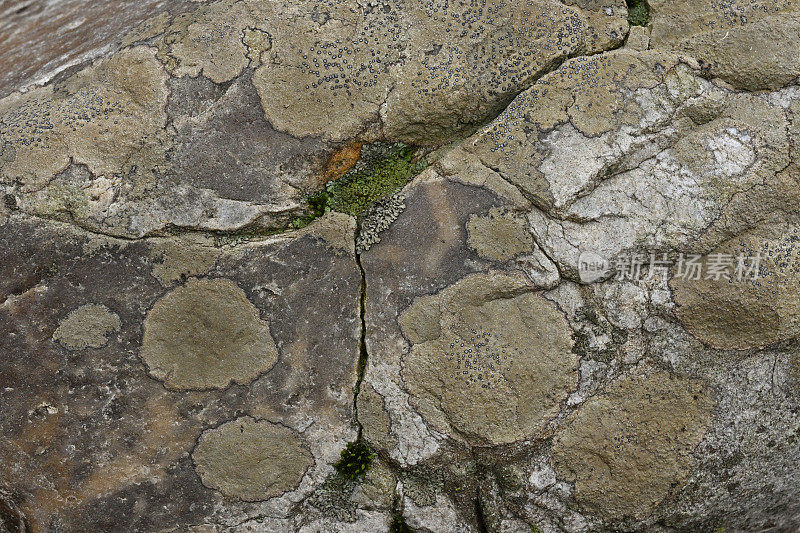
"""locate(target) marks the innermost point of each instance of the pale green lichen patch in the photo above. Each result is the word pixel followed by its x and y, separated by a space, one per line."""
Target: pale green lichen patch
pixel 628 447
pixel 499 365
pixel 498 236
pixel 87 327
pixel 206 334
pixel 251 460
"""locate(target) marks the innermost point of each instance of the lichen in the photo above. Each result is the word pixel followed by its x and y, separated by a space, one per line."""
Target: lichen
pixel 377 219
pixel 251 460
pixel 206 334
pixel 499 366
pixel 626 448
pixel 379 174
pixel 498 236
pixel 87 327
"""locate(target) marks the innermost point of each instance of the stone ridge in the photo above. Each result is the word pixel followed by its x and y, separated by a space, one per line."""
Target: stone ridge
pixel 321 265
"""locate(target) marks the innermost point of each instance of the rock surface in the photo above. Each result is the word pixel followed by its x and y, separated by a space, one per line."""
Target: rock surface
pixel 439 266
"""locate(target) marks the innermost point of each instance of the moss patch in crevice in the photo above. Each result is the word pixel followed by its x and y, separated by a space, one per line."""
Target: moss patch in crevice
pixel 638 12
pixel 382 171
pixel 356 459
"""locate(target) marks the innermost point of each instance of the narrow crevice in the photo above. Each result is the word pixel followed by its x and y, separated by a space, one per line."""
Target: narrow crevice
pixel 363 357
pixel 479 516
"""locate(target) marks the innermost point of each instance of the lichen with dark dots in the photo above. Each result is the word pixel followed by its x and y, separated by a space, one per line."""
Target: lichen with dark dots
pixel 355 461
pixel 638 12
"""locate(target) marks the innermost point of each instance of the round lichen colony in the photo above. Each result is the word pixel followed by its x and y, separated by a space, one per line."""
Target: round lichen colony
pixel 496 368
pixel 87 327
pixel 251 460
pixel 482 359
pixel 626 448
pixel 498 236
pixel 206 334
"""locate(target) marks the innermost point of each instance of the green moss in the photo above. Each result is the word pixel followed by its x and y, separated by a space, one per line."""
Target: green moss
pixel 399 525
pixel 381 177
pixel 638 12
pixel 356 460
pixel 318 205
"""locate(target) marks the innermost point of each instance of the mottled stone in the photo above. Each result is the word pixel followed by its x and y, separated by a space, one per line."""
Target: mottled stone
pixel 87 327
pixel 251 460
pixel 500 366
pixel 407 65
pixel 627 448
pixel 746 302
pixel 109 117
pixel 499 237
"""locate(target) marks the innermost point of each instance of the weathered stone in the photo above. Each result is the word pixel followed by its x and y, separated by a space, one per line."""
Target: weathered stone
pixel 751 300
pixel 751 44
pixel 251 460
pixel 247 236
pixel 628 447
pixel 499 237
pixel 91 442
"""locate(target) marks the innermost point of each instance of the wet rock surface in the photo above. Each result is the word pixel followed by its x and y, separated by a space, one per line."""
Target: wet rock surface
pixel 397 265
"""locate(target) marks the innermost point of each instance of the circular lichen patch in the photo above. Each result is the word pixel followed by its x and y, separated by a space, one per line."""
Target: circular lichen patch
pixel 87 327
pixel 206 334
pixel 742 309
pixel 498 236
pixel 251 460
pixel 498 369
pixel 626 448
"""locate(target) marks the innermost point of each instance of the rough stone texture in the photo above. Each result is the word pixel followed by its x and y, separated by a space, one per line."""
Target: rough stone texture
pixel 92 442
pixel 86 327
pixel 750 44
pixel 190 335
pixel 761 311
pixel 492 367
